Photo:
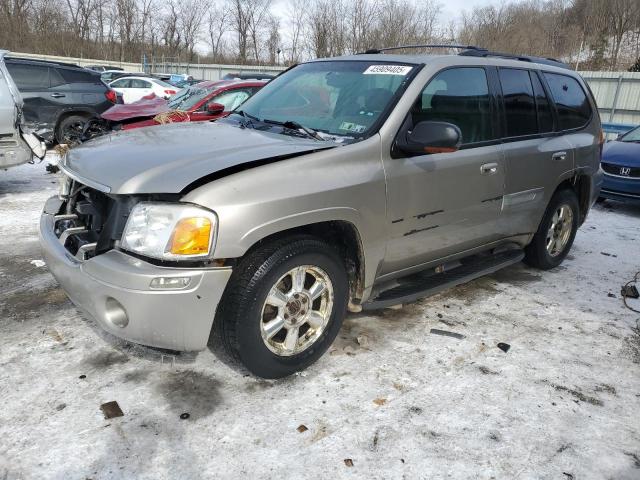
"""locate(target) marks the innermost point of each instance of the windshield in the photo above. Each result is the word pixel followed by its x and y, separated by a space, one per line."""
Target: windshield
pixel 187 98
pixel 344 98
pixel 631 136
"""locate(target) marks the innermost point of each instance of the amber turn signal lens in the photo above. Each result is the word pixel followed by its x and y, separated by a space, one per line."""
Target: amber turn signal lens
pixel 191 236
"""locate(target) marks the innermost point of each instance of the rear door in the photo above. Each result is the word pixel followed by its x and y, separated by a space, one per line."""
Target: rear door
pixel 442 204
pixel 79 90
pixel 535 156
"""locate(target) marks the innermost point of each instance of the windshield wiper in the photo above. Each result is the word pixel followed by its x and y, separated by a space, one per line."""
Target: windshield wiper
pixel 293 125
pixel 248 119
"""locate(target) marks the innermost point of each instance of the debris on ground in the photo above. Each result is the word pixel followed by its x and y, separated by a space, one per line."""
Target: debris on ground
pixel 606 254
pixel 611 295
pixel 363 341
pixel 380 401
pixel 51 168
pixel 37 263
pixel 504 346
pixel 630 291
pixel 446 333
pixel 184 416
pixel 348 462
pixel 302 428
pixel 111 410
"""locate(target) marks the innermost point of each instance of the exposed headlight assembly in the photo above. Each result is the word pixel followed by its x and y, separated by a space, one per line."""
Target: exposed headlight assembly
pixel 170 231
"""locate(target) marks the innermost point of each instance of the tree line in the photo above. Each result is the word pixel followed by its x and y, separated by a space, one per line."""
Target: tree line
pixel 590 34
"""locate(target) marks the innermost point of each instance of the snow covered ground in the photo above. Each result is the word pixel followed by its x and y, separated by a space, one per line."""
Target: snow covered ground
pixel 390 401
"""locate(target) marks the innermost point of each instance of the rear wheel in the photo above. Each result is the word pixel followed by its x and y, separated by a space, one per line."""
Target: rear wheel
pixel 284 306
pixel 557 230
pixel 71 130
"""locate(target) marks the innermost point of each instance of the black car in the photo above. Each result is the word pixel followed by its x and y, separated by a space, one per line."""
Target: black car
pixel 59 98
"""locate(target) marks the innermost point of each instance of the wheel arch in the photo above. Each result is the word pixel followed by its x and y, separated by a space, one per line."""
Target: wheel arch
pixel 580 184
pixel 343 235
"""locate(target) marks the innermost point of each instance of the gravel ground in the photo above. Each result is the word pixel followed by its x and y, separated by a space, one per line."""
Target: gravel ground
pixel 390 400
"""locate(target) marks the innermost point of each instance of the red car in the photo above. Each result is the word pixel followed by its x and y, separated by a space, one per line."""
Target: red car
pixel 207 100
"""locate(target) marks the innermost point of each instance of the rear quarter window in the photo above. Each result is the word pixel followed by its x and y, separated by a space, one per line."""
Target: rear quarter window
pixel 574 110
pixel 78 76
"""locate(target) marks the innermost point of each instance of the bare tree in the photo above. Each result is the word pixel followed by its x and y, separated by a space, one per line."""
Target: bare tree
pixel 296 20
pixel 218 24
pixel 273 39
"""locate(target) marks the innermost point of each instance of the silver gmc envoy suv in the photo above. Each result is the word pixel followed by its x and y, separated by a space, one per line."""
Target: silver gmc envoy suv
pixel 346 183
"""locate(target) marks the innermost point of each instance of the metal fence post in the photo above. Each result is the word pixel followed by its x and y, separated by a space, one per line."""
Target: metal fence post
pixel 615 99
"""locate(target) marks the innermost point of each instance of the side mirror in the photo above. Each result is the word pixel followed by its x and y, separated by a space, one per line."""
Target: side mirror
pixel 430 137
pixel 215 108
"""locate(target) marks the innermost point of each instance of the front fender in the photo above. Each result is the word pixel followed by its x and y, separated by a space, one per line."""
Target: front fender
pixel 300 219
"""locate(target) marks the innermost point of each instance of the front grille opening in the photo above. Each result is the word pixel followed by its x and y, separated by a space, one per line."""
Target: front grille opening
pixel 621 171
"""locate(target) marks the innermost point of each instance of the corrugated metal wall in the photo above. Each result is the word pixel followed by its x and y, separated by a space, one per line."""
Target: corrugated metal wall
pixel 617 95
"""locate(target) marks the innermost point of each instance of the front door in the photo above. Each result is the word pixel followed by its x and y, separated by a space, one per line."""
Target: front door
pixel 445 203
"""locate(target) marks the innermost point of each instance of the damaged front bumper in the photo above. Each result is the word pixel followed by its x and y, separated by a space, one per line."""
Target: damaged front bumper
pixel 115 289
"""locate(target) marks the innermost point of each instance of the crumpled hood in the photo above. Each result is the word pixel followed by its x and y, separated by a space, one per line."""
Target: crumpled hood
pixel 167 158
pixel 145 107
pixel 626 154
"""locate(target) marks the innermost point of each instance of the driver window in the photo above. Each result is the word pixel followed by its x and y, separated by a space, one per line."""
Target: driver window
pixel 459 96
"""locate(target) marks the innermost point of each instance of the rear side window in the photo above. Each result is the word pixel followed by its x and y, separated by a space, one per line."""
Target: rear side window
pixel 543 106
pixel 78 76
pixel 124 83
pixel 573 107
pixel 29 77
pixel 519 103
pixel 459 96
pixel 137 83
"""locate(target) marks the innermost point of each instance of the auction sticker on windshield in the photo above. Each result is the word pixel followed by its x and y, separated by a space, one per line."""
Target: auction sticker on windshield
pixel 387 70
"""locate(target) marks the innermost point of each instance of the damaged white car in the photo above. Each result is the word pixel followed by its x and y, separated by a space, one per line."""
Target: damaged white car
pixel 17 144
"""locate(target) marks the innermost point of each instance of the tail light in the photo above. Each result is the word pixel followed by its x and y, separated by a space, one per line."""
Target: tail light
pixel 111 96
pixel 170 92
pixel 602 140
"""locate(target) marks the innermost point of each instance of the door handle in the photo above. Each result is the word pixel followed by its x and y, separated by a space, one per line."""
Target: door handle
pixel 560 156
pixel 488 168
pixel 58 95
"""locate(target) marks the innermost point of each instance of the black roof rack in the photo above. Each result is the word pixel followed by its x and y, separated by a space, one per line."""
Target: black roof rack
pixel 473 51
pixel 482 52
pixel 401 47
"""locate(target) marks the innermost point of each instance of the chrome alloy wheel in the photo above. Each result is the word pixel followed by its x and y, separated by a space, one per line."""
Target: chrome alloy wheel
pixel 297 310
pixel 560 230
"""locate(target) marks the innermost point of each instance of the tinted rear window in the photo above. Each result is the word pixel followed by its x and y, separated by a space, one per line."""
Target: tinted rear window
pixel 519 104
pixel 574 110
pixel 29 77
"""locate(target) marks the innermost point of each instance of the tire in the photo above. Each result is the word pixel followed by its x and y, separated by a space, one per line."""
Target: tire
pixel 542 254
pixel 71 129
pixel 247 308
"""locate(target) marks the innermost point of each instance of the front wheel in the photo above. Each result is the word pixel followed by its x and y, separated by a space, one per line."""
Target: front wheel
pixel 557 230
pixel 284 306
